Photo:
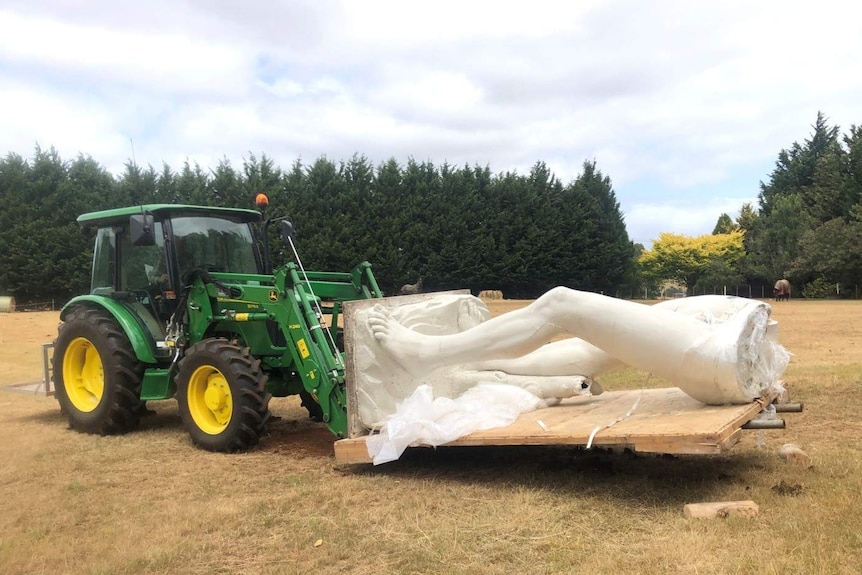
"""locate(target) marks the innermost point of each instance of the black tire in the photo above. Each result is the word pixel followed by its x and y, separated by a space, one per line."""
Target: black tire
pixel 97 376
pixel 222 396
pixel 315 412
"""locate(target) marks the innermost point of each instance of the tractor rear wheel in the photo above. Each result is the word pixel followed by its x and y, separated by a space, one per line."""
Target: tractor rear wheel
pixel 222 397
pixel 97 375
pixel 315 412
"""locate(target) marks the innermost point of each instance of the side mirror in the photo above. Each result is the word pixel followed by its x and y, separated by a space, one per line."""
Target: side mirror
pixel 142 230
pixel 286 231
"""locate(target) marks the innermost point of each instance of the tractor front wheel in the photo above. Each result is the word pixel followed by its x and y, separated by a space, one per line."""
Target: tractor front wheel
pixel 96 373
pixel 222 397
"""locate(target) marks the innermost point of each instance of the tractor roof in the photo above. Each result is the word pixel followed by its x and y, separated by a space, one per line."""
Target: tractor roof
pixel 164 211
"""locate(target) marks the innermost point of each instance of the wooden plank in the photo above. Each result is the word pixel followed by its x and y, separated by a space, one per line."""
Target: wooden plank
pixel 715 509
pixel 350 451
pixel 665 421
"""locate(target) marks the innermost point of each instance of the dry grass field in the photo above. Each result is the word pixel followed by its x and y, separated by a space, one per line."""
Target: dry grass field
pixel 150 503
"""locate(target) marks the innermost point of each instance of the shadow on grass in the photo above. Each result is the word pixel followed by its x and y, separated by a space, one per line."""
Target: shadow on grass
pixel 298 437
pixel 49 416
pixel 636 479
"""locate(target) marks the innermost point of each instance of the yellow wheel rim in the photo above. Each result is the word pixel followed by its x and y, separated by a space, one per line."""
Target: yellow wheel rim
pixel 83 374
pixel 210 400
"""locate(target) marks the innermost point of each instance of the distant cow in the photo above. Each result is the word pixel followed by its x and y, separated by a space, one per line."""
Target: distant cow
pixel 411 289
pixel 781 291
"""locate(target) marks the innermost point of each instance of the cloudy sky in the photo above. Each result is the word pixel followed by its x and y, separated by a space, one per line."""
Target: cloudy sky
pixel 685 105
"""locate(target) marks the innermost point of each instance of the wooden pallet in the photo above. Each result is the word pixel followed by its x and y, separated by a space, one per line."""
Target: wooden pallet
pixel 664 421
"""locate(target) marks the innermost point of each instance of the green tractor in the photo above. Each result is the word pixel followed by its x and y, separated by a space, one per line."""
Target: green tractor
pixel 184 303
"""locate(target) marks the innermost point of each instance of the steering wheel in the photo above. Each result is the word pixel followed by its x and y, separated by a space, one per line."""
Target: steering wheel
pixel 156 290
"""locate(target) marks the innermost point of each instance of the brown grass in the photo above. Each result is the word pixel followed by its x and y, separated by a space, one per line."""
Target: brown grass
pixel 148 502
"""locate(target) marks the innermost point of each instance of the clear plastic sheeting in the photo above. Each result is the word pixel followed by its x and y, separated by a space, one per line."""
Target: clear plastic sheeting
pixel 423 419
pixel 743 339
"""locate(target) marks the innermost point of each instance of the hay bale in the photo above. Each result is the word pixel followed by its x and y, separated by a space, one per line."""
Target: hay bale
pixel 491 294
pixel 7 304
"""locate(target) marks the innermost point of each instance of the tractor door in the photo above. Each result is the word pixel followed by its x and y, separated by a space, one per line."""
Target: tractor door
pixel 134 275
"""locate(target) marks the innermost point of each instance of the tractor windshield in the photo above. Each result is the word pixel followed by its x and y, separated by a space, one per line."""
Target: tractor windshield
pixel 213 243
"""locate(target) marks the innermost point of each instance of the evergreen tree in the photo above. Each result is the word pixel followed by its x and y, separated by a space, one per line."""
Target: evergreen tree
pixel 828 196
pixel 609 249
pixel 746 220
pixel 390 260
pixel 795 168
pixel 166 187
pixel 778 239
pixel 45 255
pixel 724 225
pixel 464 199
pixel 454 226
pixel 226 188
pixel 137 185
pixel 853 175
pixel 259 177
pixel 809 186
pixel 833 252
pixel 192 185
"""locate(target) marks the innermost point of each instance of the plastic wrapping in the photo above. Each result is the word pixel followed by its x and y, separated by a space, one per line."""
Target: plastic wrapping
pixel 423 419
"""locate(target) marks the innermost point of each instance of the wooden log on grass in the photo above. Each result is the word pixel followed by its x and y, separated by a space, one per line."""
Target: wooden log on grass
pixel 722 509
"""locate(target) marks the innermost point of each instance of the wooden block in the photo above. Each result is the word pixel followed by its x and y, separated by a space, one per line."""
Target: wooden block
pixel 351 451
pixel 715 509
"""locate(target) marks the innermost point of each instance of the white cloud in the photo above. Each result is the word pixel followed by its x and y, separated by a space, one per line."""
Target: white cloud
pixel 152 61
pixel 675 101
pixel 47 119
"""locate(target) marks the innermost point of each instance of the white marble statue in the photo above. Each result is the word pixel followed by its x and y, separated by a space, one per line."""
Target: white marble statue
pixel 717 349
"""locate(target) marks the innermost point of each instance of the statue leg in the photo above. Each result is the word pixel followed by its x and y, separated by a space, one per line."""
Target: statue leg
pixel 713 363
pixel 572 356
pixel 548 387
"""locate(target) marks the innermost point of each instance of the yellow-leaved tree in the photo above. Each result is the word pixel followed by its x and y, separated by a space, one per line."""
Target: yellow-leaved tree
pixel 687 259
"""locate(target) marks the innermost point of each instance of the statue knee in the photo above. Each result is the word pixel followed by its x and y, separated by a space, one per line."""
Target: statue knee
pixel 553 301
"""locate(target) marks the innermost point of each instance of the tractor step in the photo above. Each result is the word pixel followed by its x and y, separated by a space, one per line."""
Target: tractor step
pixel 47 385
pixel 44 387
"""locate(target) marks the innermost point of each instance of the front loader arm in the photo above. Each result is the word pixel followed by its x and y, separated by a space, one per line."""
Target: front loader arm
pixel 316 357
pixel 247 306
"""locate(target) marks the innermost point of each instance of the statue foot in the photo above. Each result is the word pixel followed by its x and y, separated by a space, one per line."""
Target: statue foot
pixel 410 350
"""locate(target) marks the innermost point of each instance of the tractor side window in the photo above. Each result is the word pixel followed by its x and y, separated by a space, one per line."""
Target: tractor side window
pixel 143 266
pixel 103 262
pixel 215 244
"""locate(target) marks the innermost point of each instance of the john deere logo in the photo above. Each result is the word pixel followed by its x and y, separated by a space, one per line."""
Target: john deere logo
pixel 273 295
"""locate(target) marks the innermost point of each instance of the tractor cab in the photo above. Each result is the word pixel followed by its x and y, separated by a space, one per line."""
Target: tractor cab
pixel 144 256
